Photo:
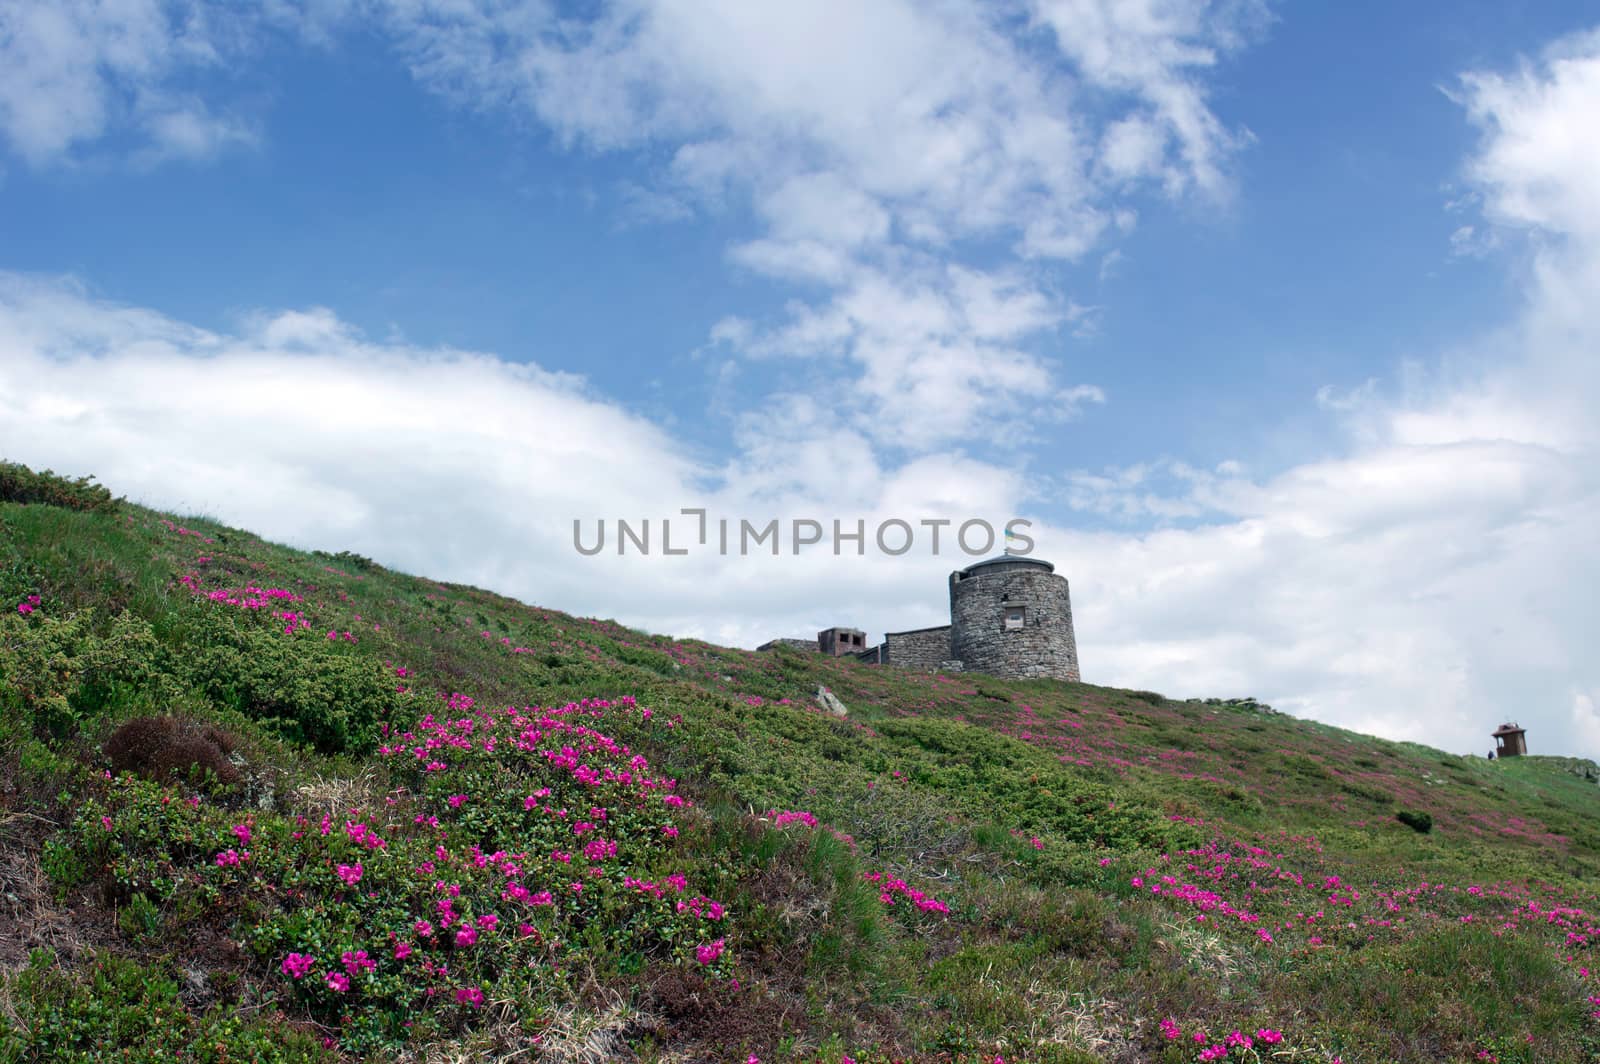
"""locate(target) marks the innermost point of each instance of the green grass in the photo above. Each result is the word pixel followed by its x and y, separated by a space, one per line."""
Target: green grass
pixel 1039 814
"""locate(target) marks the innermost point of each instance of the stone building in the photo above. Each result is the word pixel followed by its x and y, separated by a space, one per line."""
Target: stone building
pixel 1010 616
pixel 841 642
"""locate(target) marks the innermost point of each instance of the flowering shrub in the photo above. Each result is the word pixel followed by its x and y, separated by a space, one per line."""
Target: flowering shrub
pixel 892 889
pixel 393 916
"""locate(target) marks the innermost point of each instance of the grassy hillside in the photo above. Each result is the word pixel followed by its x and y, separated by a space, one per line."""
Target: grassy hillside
pixel 260 804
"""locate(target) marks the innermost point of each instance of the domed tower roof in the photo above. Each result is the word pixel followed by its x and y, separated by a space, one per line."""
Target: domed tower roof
pixel 1008 561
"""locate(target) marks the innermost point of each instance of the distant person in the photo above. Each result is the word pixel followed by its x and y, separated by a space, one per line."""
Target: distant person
pixel 1491 755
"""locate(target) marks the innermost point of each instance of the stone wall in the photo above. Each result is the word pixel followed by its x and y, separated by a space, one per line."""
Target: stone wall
pixel 921 649
pixel 1044 645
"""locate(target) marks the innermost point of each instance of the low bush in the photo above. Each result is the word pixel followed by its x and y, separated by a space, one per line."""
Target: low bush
pixel 116 1009
pixel 1417 821
pixel 309 689
pixel 20 484
pixel 165 748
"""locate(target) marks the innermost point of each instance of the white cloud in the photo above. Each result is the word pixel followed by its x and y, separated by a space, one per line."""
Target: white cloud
pixel 1532 152
pixel 72 71
pixel 870 141
pixel 1155 50
pixel 185 128
pixel 934 355
pixel 1586 720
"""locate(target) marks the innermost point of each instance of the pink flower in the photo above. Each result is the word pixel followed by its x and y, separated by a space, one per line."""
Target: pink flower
pixel 228 858
pixel 709 953
pixel 105 822
pixel 1170 1029
pixel 357 961
pixel 338 982
pixel 487 922
pixel 402 950
pixel 466 935
pixel 351 874
pixel 1269 1035
pixel 298 965
pixel 243 833
pixel 470 995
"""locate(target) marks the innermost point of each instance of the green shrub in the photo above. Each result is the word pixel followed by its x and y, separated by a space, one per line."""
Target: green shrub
pixel 62 672
pixel 322 693
pixel 20 484
pixel 1416 821
pixel 140 918
pixel 116 1009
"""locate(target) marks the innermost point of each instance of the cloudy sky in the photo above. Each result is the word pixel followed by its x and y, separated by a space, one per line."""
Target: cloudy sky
pixel 1280 322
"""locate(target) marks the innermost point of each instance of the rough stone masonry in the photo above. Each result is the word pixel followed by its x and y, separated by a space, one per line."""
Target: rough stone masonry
pixel 1010 616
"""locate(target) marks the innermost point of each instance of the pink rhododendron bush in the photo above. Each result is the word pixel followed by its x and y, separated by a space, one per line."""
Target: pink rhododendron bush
pixel 519 849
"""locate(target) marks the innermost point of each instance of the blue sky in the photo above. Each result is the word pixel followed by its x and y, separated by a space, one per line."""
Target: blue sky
pixel 1272 317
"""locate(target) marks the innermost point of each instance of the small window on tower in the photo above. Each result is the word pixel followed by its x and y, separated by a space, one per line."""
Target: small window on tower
pixel 1016 617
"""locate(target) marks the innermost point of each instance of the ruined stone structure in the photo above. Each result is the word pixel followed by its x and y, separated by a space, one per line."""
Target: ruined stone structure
pixel 791 643
pixel 841 642
pixel 1510 740
pixel 1010 616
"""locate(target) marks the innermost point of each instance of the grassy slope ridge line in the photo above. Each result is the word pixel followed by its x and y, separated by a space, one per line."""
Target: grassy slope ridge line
pixel 379 816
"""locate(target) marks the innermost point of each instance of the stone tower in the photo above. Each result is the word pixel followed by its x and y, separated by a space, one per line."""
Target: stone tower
pixel 1011 616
